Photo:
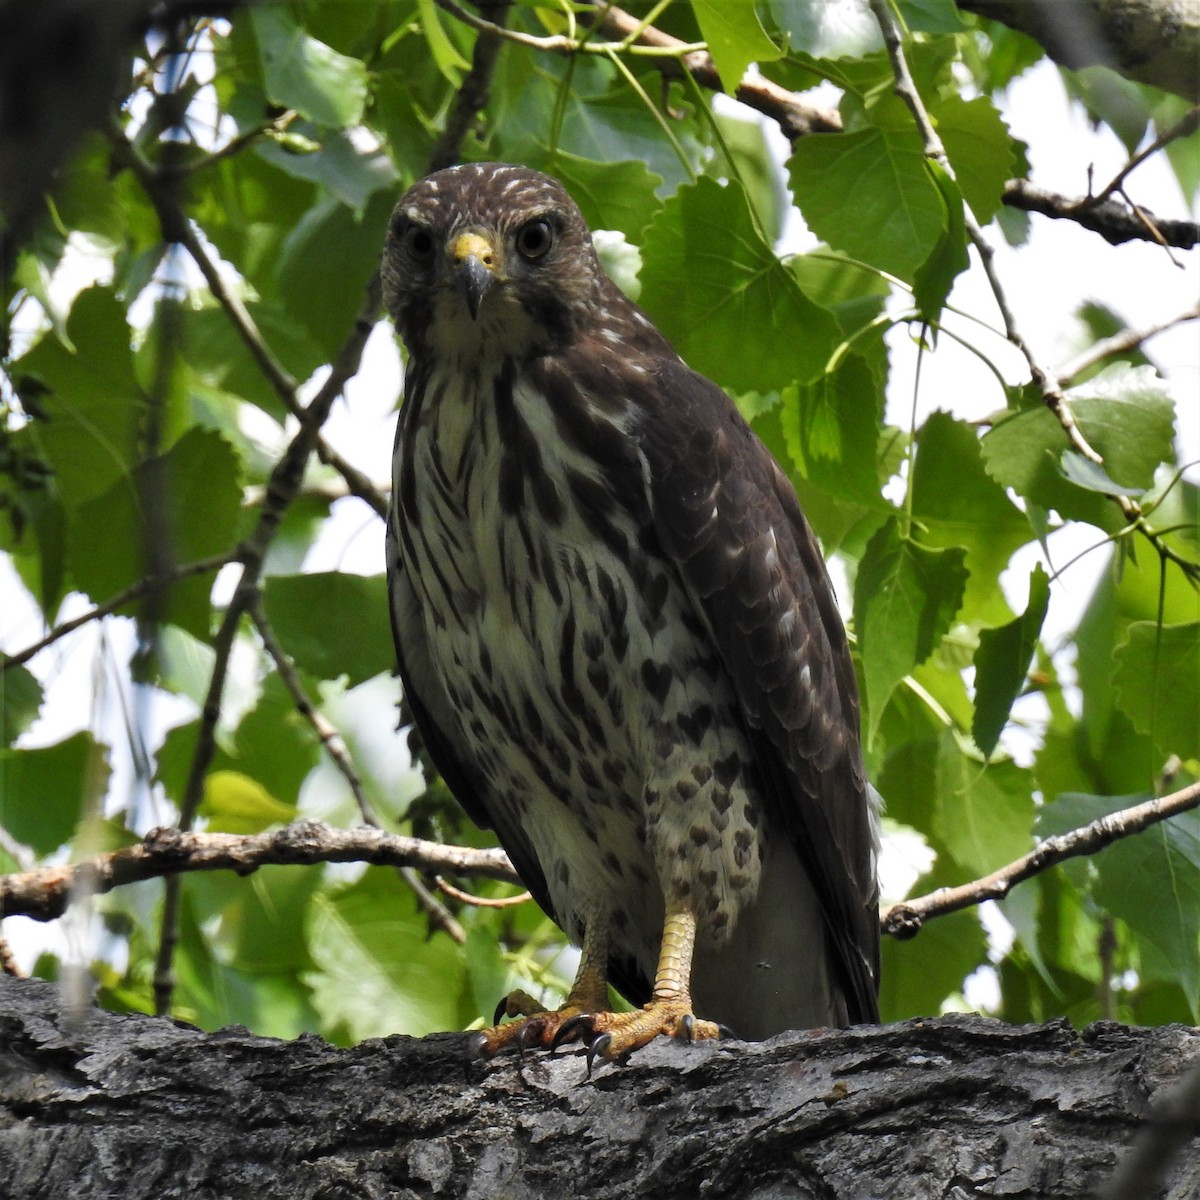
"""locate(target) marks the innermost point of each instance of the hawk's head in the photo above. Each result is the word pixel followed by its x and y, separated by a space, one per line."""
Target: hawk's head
pixel 487 255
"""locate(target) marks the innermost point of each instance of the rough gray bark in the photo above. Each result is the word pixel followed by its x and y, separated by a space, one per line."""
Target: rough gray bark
pixel 960 1107
pixel 1150 41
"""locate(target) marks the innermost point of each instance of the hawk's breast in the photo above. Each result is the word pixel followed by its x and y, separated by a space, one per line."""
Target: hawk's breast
pixel 587 693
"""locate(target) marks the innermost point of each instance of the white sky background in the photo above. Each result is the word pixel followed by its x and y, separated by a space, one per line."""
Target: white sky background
pixel 1061 267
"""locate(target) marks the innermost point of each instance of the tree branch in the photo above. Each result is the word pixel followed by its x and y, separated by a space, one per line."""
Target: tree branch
pixel 473 93
pixel 1120 343
pixel 1150 41
pixel 44 894
pixel 904 920
pixel 135 591
pixel 176 227
pixel 1111 220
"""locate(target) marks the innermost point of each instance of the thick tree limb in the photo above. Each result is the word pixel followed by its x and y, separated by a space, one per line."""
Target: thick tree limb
pixel 1149 41
pixel 96 1105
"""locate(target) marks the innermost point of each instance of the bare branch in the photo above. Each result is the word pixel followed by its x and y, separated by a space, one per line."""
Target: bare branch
pixel 1186 125
pixel 904 920
pixel 1120 343
pixel 45 893
pixel 1112 221
pixel 795 116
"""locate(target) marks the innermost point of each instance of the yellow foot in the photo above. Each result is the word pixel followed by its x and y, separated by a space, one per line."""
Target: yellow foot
pixel 604 1034
pixel 539 1026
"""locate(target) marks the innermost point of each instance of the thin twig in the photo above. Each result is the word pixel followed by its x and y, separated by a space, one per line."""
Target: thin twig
pixel 906 89
pixel 327 733
pixel 282 488
pixel 905 919
pixel 135 591
pixel 1120 343
pixel 1186 125
pixel 481 901
pixel 44 894
pixel 441 917
pixel 177 227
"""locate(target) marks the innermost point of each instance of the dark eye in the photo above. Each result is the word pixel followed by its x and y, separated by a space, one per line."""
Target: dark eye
pixel 534 239
pixel 419 243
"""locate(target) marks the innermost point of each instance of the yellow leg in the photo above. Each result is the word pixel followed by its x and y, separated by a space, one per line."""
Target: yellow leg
pixel 669 1012
pixel 540 1026
pixel 584 1015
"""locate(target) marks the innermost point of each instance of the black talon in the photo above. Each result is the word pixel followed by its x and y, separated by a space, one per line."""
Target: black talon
pixel 597 1046
pixel 727 1034
pixel 501 1010
pixel 689 1025
pixel 479 1045
pixel 568 1029
pixel 529 1037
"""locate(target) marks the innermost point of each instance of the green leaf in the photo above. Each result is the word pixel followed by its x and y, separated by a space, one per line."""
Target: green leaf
pixel 194 492
pixel 1128 416
pixel 348 171
pixel 917 977
pixel 305 74
pixel 831 426
pixel 898 215
pixel 332 623
pixel 1158 684
pixel 611 195
pixel 980 150
pixel 735 39
pixel 94 403
pixel 445 54
pixel 405 981
pixel 947 260
pixel 1151 881
pixel 235 803
pixel 44 792
pixel 20 699
pixel 984 812
pixel 326 263
pixel 1124 414
pixel 931 16
pixel 905 600
pixel 718 291
pixel 956 503
pixel 1092 477
pixel 1002 662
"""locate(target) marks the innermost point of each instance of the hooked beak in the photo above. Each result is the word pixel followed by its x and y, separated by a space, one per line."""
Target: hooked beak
pixel 474 267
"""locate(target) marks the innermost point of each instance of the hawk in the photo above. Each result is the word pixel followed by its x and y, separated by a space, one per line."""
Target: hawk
pixel 618 638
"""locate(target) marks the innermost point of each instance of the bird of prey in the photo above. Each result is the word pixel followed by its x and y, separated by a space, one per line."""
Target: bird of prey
pixel 617 636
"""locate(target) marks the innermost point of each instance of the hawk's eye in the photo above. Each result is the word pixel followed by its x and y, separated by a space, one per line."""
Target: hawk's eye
pixel 534 239
pixel 419 243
